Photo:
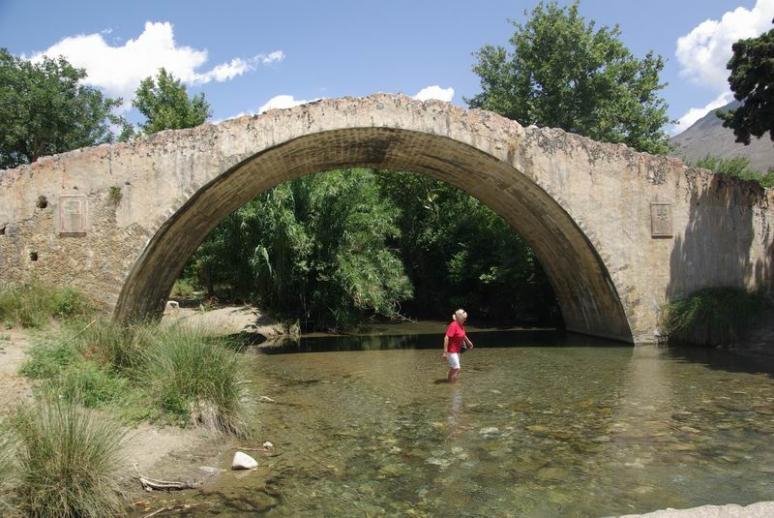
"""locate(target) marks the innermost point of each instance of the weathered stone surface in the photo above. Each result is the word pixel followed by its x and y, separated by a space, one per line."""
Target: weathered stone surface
pixel 585 207
pixel 757 510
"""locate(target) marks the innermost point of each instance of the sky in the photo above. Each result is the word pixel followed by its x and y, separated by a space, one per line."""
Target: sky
pixel 249 56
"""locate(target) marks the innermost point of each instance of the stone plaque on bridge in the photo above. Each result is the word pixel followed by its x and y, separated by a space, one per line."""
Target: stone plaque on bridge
pixel 661 220
pixel 72 215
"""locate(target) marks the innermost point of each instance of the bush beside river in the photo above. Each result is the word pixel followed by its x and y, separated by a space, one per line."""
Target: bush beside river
pixel 715 317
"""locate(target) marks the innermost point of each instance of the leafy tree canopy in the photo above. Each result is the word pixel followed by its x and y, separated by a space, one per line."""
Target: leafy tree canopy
pixel 564 72
pixel 314 249
pixel 46 109
pixel 334 248
pixel 752 81
pixel 165 103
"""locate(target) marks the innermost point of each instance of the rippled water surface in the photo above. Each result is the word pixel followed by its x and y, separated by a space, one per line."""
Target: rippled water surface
pixel 544 428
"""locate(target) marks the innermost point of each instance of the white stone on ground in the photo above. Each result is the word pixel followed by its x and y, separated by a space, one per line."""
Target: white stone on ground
pixel 757 510
pixel 243 461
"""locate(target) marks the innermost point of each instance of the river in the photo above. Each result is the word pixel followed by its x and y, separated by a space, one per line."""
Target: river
pixel 539 425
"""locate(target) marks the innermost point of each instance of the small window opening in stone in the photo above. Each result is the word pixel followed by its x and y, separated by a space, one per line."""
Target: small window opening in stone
pixel 2 230
pixel 33 256
pixel 42 202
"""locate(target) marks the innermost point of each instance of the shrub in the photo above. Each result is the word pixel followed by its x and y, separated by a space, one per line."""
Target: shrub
pixel 198 379
pixel 713 316
pixel 89 384
pixel 736 167
pixel 49 358
pixel 69 461
pixel 183 289
pixel 33 304
pixel 69 302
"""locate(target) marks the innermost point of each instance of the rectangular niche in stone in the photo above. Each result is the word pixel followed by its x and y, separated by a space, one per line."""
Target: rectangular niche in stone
pixel 72 215
pixel 661 219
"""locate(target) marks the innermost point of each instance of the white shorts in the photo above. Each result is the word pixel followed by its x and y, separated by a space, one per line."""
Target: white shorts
pixel 454 360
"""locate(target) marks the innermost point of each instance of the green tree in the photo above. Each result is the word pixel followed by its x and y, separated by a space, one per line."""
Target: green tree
pixel 458 252
pixel 564 72
pixel 165 103
pixel 313 249
pixel 752 81
pixel 46 109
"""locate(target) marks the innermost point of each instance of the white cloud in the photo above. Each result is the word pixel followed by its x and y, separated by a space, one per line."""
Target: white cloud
pixel 277 102
pixel 282 101
pixel 704 52
pixel 272 57
pixel 118 70
pixel 435 92
pixel 694 114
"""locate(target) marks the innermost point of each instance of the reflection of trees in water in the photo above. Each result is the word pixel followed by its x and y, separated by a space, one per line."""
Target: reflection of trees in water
pixel 347 343
pixel 483 339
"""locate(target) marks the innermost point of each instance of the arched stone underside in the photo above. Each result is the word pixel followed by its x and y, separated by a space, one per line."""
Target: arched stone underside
pixel 618 232
pixel 586 294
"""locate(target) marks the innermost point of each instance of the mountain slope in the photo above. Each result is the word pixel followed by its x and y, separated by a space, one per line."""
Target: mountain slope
pixel 707 136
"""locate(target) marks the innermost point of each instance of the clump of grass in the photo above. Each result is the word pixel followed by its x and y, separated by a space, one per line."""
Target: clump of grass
pixel 7 471
pixel 115 195
pixel 184 374
pixel 68 460
pixel 120 346
pixel 34 305
pixel 198 379
pixel 713 316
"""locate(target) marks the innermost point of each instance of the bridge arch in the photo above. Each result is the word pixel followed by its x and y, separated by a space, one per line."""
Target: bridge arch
pixel 586 294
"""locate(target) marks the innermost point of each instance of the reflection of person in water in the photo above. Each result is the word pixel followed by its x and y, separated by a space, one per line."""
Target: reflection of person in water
pixel 453 343
pixel 455 411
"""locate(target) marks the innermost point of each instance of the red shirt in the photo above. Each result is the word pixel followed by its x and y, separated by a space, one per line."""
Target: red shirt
pixel 456 334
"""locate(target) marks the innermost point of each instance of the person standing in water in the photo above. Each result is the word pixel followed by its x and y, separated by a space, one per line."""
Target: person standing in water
pixel 453 342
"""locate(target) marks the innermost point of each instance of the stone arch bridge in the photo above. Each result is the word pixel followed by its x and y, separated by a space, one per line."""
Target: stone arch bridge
pixel 618 232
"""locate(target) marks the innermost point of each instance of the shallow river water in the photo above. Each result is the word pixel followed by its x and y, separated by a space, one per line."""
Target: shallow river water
pixel 539 425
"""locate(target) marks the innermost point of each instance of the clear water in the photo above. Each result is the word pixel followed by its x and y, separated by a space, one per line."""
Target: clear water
pixel 547 427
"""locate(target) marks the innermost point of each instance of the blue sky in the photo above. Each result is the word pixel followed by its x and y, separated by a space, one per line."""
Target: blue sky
pixel 243 54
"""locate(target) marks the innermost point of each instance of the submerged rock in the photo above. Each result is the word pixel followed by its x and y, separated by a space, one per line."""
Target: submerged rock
pixel 551 474
pixel 243 461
